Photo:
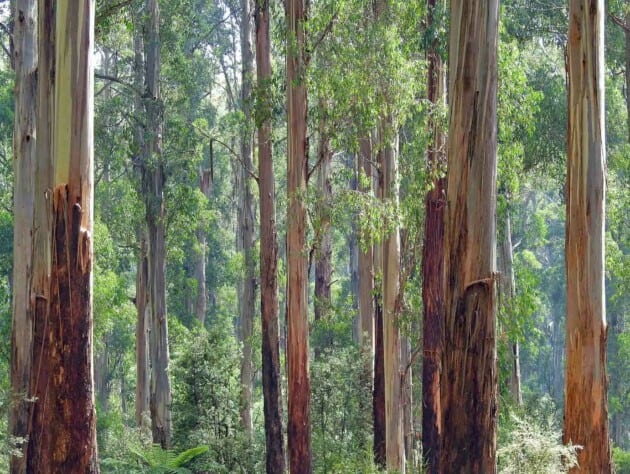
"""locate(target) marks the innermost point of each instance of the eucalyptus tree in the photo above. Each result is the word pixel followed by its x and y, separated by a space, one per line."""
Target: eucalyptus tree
pixel 433 250
pixel 24 152
pixel 586 406
pixel 62 426
pixel 469 361
pixel 299 429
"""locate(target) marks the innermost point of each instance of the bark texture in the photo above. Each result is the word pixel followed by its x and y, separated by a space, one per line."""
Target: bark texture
pixel 468 383
pixel 586 409
pixel 272 382
pixel 153 180
pixel 299 425
pixel 24 153
pixel 433 261
pixel 143 321
pixel 246 235
pixel 62 425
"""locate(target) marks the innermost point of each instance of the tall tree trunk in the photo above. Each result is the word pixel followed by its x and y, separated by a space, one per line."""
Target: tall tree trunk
pixel 323 252
pixel 153 179
pixel 586 409
pixel 272 383
pixel 433 259
pixel 201 298
pixel 246 223
pixel 299 427
pixel 627 52
pixel 407 400
pixel 24 153
pixel 395 448
pixel 61 381
pixel 378 391
pixel 468 384
pixel 143 322
pixel 143 307
pixel 507 283
pixel 366 260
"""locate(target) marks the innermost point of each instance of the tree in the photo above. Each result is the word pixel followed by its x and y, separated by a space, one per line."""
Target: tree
pixel 433 256
pixel 246 237
pixel 62 429
pixel 299 429
pixel 469 360
pixel 152 185
pixel 24 152
pixel 586 408
pixel 272 386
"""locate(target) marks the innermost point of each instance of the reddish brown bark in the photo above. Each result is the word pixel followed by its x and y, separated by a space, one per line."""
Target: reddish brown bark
pixel 272 383
pixel 432 262
pixel 586 384
pixel 468 384
pixel 62 426
pixel 378 398
pixel 299 424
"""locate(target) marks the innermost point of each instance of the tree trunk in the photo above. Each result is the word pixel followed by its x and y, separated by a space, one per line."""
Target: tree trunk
pixel 24 152
pixel 366 260
pixel 201 298
pixel 153 179
pixel 323 252
pixel 507 293
pixel 246 224
pixel 143 322
pixel 627 34
pixel 272 382
pixel 433 261
pixel 62 426
pixel 395 448
pixel 586 409
pixel 299 428
pixel 468 384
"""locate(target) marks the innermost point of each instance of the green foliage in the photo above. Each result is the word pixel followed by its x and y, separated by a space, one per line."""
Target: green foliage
pixel 341 411
pixel 156 460
pixel 530 443
pixel 621 459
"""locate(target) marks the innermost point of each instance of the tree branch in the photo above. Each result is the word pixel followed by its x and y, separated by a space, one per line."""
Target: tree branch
pixel 106 77
pixel 619 22
pixel 111 10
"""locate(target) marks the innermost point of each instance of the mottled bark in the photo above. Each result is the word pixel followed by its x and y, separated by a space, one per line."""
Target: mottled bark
pixel 153 180
pixel 395 449
pixel 299 425
pixel 62 425
pixel 433 258
pixel 468 384
pixel 246 235
pixel 586 408
pixel 24 152
pixel 271 380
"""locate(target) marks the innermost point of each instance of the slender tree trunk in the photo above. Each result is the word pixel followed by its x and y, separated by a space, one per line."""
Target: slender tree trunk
pixel 378 399
pixel 507 285
pixel 62 426
pixel 468 384
pixel 407 400
pixel 627 34
pixel 586 408
pixel 246 223
pixel 299 428
pixel 153 180
pixel 272 383
pixel 433 260
pixel 143 321
pixel 201 298
pixel 366 260
pixel 395 448
pixel 323 253
pixel 24 152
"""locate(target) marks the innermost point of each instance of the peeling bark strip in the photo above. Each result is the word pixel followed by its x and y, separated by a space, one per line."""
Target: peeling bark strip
pixel 62 427
pixel 25 62
pixel 469 359
pixel 433 263
pixel 299 424
pixel 586 409
pixel 272 382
